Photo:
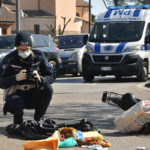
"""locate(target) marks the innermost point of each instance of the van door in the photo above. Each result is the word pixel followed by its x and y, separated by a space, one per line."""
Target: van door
pixel 147 44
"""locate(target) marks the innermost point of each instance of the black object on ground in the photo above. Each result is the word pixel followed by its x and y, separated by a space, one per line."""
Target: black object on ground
pixel 36 130
pixel 124 101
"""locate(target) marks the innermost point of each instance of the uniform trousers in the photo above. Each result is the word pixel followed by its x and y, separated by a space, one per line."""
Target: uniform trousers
pixel 36 98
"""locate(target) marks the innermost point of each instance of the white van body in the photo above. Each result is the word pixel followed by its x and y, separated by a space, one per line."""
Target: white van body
pixel 72 47
pixel 119 44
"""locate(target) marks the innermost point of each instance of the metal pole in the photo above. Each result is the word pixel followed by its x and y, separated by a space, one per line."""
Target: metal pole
pixel 17 15
pixel 89 16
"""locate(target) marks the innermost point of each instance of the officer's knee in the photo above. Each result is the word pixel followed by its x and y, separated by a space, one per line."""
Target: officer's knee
pixel 14 105
pixel 48 90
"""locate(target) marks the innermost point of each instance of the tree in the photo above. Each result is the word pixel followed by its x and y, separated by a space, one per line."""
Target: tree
pixel 52 30
pixel 61 31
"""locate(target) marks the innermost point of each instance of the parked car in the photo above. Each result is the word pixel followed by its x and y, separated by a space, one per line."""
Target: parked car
pixel 40 42
pixel 71 52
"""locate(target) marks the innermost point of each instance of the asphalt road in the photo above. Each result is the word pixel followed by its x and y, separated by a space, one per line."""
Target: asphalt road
pixel 74 99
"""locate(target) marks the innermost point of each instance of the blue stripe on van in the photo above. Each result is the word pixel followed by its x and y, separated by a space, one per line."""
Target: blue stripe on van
pixel 120 48
pixel 136 13
pixel 147 47
pixel 141 48
pixel 107 15
pixel 97 48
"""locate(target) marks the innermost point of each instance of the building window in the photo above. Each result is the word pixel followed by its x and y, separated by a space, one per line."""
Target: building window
pixel 37 29
pixel 77 14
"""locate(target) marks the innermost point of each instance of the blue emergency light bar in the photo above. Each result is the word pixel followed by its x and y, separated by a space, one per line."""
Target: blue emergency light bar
pixel 129 7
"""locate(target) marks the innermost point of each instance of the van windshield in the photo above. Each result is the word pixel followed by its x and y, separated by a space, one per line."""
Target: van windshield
pixel 71 41
pixel 7 42
pixel 123 31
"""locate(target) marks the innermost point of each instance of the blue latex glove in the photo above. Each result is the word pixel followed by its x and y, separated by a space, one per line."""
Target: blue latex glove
pixel 79 135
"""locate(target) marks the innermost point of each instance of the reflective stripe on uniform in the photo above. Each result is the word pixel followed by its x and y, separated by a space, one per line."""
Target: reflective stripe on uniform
pixel 23 87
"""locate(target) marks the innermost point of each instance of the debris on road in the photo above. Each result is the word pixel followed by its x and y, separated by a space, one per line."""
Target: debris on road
pixel 136 112
pixel 142 148
pixel 67 137
pixel 95 147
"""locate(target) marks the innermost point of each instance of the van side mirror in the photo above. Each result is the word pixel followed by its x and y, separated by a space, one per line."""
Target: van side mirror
pixel 85 38
pixel 147 39
pixel 56 42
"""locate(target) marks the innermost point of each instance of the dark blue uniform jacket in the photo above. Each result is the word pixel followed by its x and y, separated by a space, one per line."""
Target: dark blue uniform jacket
pixel 13 63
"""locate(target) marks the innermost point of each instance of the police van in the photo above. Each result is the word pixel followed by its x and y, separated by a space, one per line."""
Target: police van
pixel 119 44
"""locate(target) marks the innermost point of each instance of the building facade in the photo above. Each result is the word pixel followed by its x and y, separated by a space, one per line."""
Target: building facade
pixel 46 16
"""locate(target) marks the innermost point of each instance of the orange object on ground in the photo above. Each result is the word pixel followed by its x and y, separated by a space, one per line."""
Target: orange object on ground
pixel 50 143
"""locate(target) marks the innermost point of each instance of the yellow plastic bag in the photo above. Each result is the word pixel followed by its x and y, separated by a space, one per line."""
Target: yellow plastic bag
pixel 93 137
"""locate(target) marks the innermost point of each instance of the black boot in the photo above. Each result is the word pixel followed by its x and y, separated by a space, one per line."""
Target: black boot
pixel 37 117
pixel 18 118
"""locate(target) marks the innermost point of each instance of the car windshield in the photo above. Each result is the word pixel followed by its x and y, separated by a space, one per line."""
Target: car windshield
pixel 123 31
pixel 73 41
pixel 38 41
pixel 7 42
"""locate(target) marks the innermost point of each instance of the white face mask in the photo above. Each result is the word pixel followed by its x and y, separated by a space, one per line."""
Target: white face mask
pixel 24 54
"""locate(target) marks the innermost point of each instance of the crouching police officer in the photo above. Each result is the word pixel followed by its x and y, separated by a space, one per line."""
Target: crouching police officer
pixel 26 76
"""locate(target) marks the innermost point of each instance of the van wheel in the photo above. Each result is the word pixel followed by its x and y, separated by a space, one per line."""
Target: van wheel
pixel 143 75
pixel 75 74
pixel 118 77
pixel 53 64
pixel 88 77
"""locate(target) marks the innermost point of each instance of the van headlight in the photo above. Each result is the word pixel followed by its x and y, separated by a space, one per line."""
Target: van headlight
pixel 89 49
pixel 74 56
pixel 132 48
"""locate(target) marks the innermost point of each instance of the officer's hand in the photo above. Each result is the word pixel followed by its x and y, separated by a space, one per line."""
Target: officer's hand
pixel 21 75
pixel 36 75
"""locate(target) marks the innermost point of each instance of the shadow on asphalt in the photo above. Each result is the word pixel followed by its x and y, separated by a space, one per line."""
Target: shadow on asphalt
pixel 2 130
pixel 15 137
pixel 101 116
pixel 70 79
pixel 118 134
